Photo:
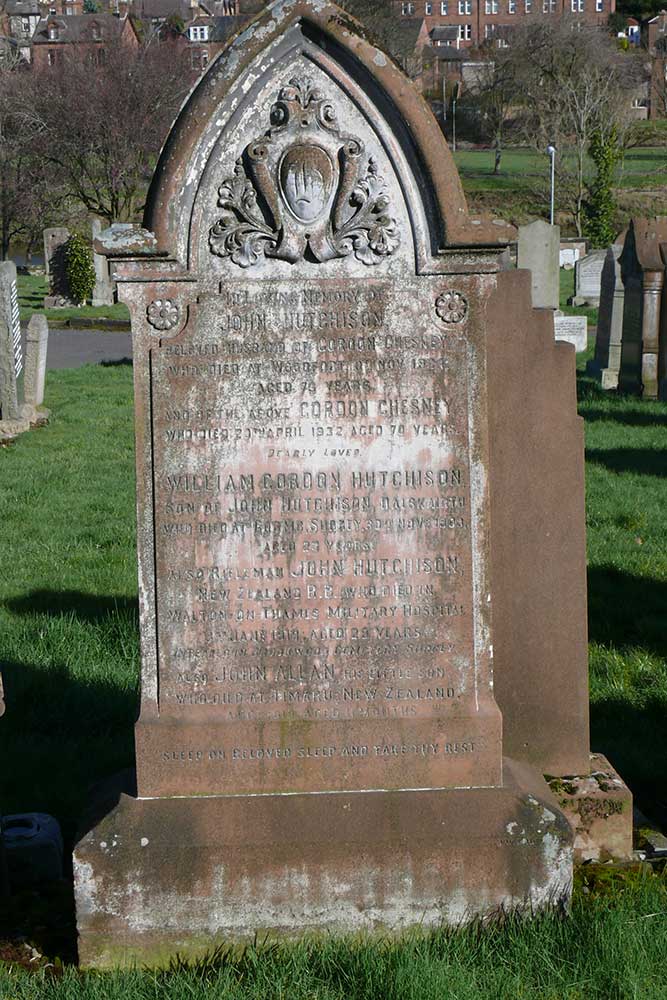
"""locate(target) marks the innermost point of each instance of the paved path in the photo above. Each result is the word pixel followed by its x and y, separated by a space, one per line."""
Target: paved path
pixel 73 348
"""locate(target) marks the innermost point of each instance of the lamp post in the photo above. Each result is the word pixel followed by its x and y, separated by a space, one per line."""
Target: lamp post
pixel 551 150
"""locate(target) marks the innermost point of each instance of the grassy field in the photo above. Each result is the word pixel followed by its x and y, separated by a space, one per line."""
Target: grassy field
pixel 32 288
pixel 68 622
pixel 521 190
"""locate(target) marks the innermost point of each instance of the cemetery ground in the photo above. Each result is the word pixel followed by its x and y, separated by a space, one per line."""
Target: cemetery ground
pixel 70 662
pixel 32 288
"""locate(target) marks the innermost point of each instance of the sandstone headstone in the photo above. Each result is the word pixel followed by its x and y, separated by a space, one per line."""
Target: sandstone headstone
pixel 35 360
pixel 572 330
pixel 607 360
pixel 11 360
pixel 103 291
pixel 56 271
pixel 539 252
pixel 643 350
pixel 588 278
pixel 344 412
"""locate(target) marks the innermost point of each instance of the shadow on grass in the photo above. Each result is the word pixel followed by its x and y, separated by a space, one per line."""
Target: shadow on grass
pixel 639 461
pixel 633 418
pixel 59 735
pixel 116 362
pixel 627 611
pixel 85 607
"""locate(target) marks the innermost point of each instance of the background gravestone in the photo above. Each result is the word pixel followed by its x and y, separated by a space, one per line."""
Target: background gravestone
pixel 588 278
pixel 55 240
pixel 539 252
pixel 572 330
pixel 344 409
pixel 103 292
pixel 11 361
pixel 607 360
pixel 35 363
pixel 642 263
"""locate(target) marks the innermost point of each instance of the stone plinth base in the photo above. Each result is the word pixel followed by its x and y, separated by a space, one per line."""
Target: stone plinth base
pixel 161 876
pixel 599 808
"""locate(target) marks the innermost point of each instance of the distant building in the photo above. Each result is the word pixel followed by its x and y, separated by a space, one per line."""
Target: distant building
pixel 207 36
pixel 84 36
pixel 21 17
pixel 472 22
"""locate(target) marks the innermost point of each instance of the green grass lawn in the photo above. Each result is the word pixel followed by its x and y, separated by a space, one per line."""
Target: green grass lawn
pixel 70 663
pixel 520 192
pixel 32 288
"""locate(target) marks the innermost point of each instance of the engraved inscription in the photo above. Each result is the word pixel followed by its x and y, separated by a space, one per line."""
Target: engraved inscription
pixel 313 500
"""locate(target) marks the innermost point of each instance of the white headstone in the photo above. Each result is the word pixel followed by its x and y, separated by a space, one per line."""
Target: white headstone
pixel 588 278
pixel 573 330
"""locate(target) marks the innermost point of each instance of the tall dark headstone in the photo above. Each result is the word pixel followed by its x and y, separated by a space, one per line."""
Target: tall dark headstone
pixel 607 360
pixel 55 241
pixel 644 349
pixel 361 544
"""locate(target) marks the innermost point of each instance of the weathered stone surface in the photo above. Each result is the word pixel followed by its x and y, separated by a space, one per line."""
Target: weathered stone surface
pixel 37 342
pixel 609 335
pixel 56 271
pixel 327 360
pixel 10 342
pixel 598 805
pixel 371 861
pixel 572 330
pixel 643 259
pixel 103 293
pixel 539 246
pixel 588 277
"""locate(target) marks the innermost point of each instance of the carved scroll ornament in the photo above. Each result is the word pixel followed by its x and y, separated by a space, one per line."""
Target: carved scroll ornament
pixel 303 190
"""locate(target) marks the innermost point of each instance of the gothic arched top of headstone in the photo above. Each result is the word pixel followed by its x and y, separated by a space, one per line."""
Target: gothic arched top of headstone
pixel 305 141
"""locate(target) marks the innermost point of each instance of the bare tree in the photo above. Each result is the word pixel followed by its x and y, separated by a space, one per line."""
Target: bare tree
pixel 104 124
pixel 575 84
pixel 492 92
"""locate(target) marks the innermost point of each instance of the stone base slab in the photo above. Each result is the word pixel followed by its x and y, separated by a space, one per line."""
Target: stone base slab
pixel 599 808
pixel 159 876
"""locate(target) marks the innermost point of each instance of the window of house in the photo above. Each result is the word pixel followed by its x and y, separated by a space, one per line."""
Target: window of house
pixel 199 33
pixel 428 8
pixel 490 6
pixel 599 6
pixel 444 7
pixel 407 8
pixel 489 30
pixel 549 7
pixel 53 32
pixel 577 6
pixel 465 32
pixel 511 6
pixel 465 6
pixel 69 11
pixel 95 30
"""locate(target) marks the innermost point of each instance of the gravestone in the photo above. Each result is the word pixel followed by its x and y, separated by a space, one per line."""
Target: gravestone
pixel 103 291
pixel 55 240
pixel 11 359
pixel 643 261
pixel 35 361
pixel 609 335
pixel 588 278
pixel 539 252
pixel 349 494
pixel 572 330
pixel 568 257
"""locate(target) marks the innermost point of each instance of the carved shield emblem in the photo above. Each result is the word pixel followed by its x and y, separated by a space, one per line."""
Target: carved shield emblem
pixel 306 181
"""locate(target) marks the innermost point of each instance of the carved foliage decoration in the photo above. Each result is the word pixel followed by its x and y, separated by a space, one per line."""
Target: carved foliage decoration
pixel 304 190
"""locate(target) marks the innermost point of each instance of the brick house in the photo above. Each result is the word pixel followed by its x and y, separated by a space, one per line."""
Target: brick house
pixel 206 36
pixel 87 36
pixel 476 21
pixel 19 20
